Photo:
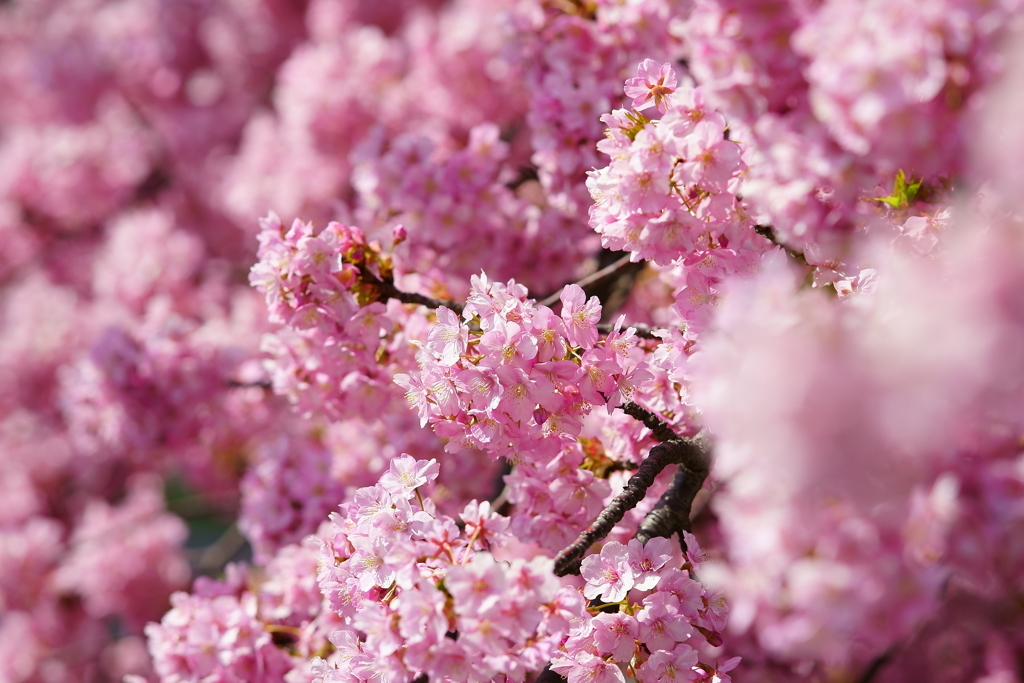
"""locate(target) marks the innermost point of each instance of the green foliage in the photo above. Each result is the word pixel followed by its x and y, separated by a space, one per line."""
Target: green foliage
pixel 903 193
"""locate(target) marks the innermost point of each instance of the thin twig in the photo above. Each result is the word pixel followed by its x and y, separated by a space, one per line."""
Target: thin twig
pixel 877 664
pixel 235 384
pixel 223 549
pixel 641 330
pixel 389 291
pixel 548 675
pixel 594 279
pixel 768 232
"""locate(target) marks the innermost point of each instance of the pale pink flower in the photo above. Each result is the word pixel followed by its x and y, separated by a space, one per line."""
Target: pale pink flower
pixel 616 634
pixel 608 575
pixel 368 563
pixel 476 585
pixel 406 474
pixel 672 666
pixel 661 623
pixel 720 674
pixel 653 84
pixel 586 668
pixel 646 559
pixel 580 316
pixel 448 338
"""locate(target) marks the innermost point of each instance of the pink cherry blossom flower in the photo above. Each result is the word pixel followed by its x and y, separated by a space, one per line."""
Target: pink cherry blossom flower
pixel 586 668
pixel 661 623
pixel 369 565
pixel 670 666
pixel 448 338
pixel 476 585
pixel 687 592
pixel 646 559
pixel 720 672
pixel 608 575
pixel 615 635
pixel 653 84
pixel 486 526
pixel 406 474
pixel 580 316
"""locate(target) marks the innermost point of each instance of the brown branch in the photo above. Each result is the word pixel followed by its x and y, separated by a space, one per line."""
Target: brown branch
pixel 674 452
pixel 218 554
pixel 877 664
pixel 671 514
pixel 389 291
pixel 235 384
pixel 596 279
pixel 550 676
pixel 768 232
pixel 662 432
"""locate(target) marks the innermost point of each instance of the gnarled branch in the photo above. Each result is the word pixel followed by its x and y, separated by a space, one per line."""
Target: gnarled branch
pixel 673 452
pixel 662 432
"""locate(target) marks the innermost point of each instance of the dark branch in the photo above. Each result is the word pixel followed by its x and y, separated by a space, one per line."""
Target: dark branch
pixel 662 432
pixel 674 452
pixel 768 232
pixel 235 384
pixel 671 514
pixel 877 664
pixel 549 676
pixel 389 291
pixel 524 175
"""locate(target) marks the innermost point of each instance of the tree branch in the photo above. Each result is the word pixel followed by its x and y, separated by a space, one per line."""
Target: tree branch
pixel 596 279
pixel 671 514
pixel 673 452
pixel 389 291
pixel 768 232
pixel 549 676
pixel 641 330
pixel 877 664
pixel 662 432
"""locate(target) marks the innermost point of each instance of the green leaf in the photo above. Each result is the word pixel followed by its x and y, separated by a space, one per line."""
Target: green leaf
pixel 902 192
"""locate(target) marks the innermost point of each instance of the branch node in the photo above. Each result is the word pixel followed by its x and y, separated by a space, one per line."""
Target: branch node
pixel 672 452
pixel 662 432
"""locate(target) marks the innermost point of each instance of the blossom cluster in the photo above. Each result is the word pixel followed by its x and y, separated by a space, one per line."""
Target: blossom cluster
pixel 897 501
pixel 314 283
pixel 420 593
pixel 514 380
pixel 664 621
pixel 246 627
pixel 526 373
pixel 820 207
pixel 671 192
